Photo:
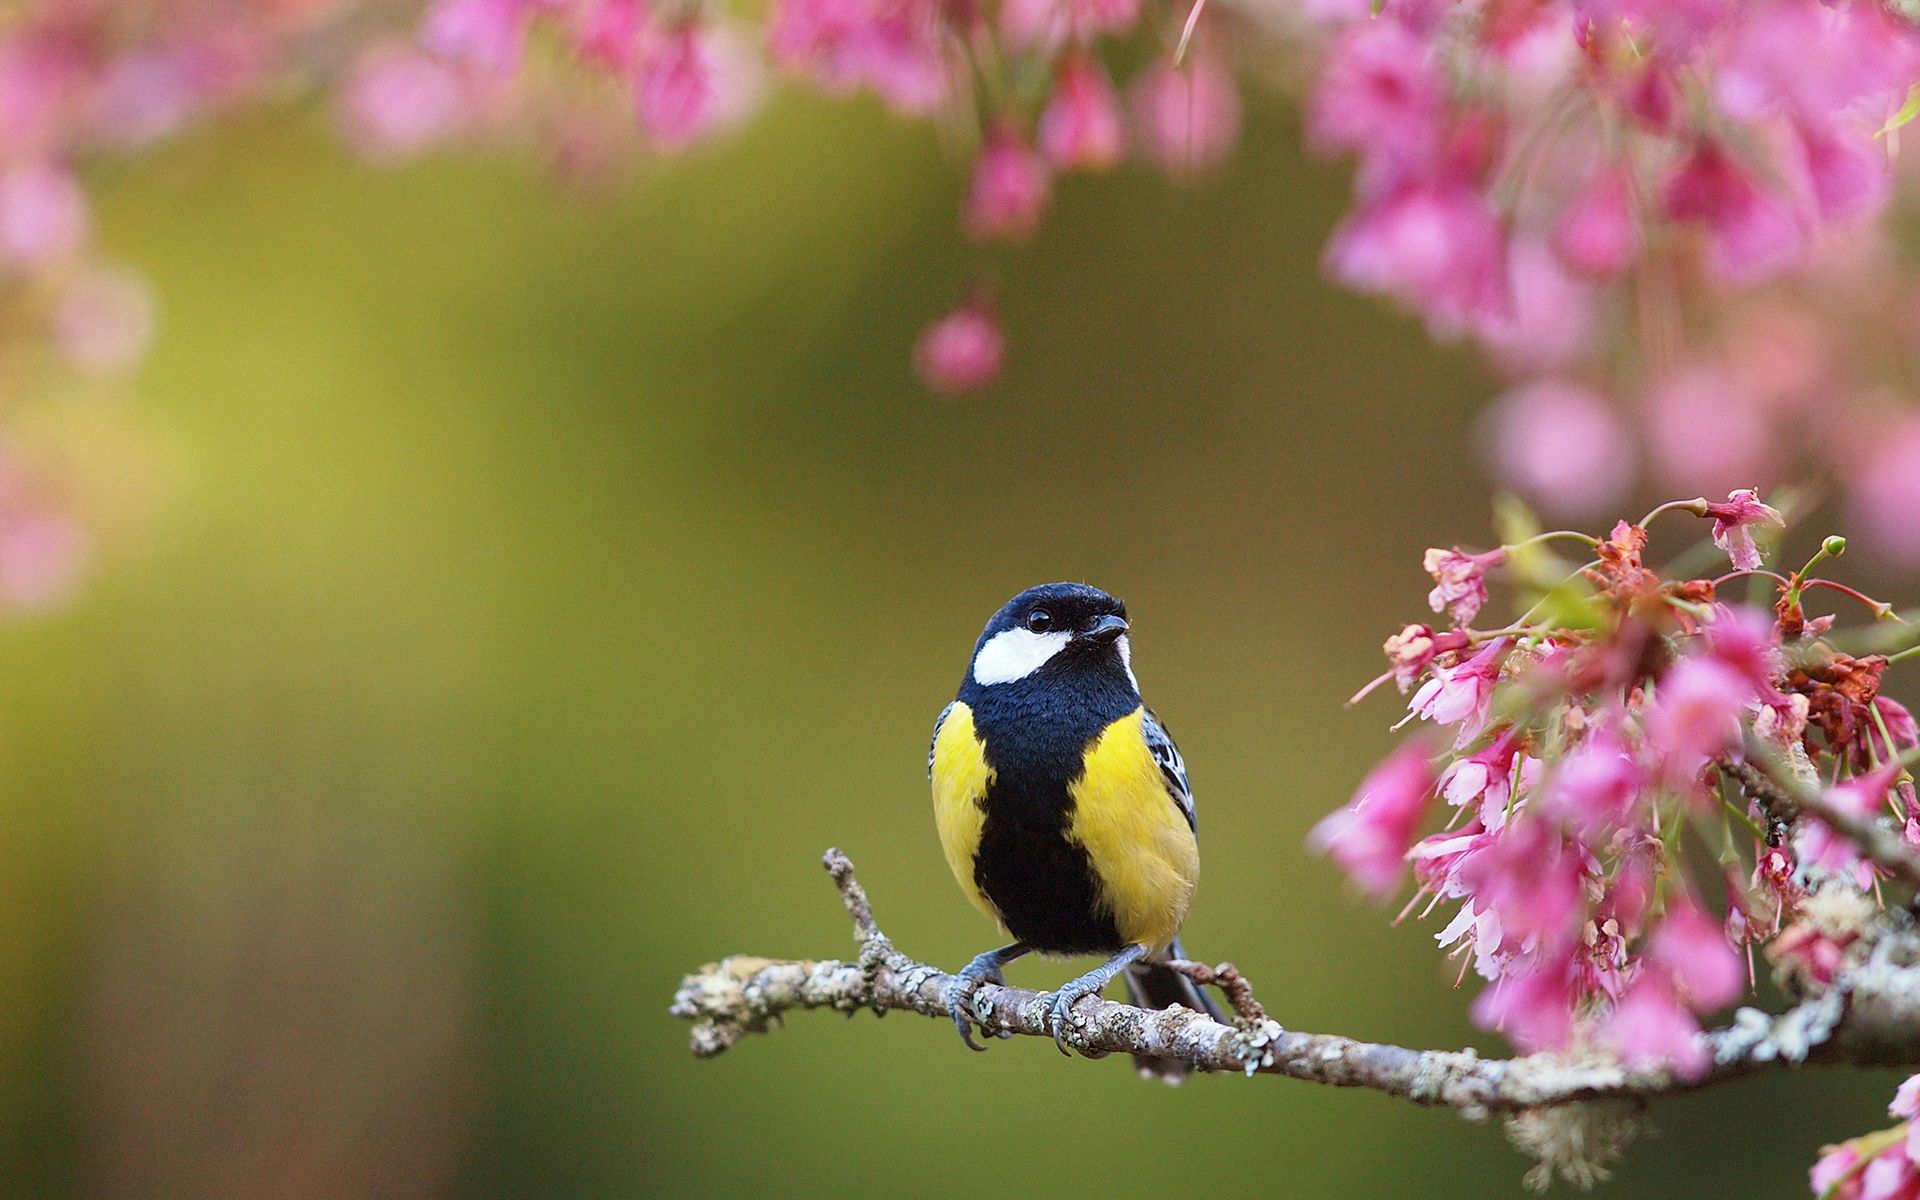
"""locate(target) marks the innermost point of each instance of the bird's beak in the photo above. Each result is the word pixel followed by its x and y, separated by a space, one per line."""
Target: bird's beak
pixel 1105 630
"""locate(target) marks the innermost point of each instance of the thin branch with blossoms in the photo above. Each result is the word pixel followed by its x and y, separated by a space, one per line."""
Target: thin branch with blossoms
pixel 1573 1112
pixel 1637 781
pixel 1640 781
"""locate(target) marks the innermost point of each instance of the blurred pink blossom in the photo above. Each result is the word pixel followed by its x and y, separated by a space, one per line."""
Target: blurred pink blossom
pixel 1693 950
pixel 1186 119
pixel 1598 234
pixel 1010 189
pixel 1651 1027
pixel 1081 126
pixel 962 351
pixel 43 556
pixel 1561 446
pixel 1885 499
pixel 1436 247
pixel 1750 232
pixel 43 214
pixel 399 102
pixel 1695 714
pixel 1707 434
pixel 1370 837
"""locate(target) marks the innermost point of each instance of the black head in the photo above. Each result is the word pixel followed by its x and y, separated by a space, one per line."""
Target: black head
pixel 1052 631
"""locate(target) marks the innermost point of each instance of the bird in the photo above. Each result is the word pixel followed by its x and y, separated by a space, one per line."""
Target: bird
pixel 1064 810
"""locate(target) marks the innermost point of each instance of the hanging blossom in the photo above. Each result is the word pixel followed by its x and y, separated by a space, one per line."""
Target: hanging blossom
pixel 1668 226
pixel 1564 806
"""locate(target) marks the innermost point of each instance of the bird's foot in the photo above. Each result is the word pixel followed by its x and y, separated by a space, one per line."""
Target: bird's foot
pixel 1060 1018
pixel 985 968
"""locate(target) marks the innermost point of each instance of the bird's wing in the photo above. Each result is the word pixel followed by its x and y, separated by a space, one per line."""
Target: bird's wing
pixel 935 742
pixel 1173 768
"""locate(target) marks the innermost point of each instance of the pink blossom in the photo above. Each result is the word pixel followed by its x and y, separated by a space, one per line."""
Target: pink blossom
pixel 1559 445
pixel 1901 728
pixel 103 323
pixel 1378 94
pixel 1847 174
pixel 1485 777
pixel 1010 188
pixel 398 103
pixel 1081 126
pixel 1693 950
pixel 1436 247
pixel 1906 1100
pixel 1885 500
pixel 485 33
pixel 1598 234
pixel 1890 1176
pixel 1834 1177
pixel 1733 522
pixel 1595 786
pixel 1460 695
pixel 1041 27
pixel 1746 639
pixel 1413 649
pixel 1370 837
pixel 1533 1008
pixel 148 95
pixel 40 79
pixel 962 351
pixel 1460 580
pixel 1750 232
pixel 610 32
pixel 1186 119
pixel 1695 715
pixel 675 90
pixel 1814 61
pixel 1650 1027
pixel 1706 432
pixel 891 46
pixel 1531 878
pixel 43 214
pixel 1862 797
pixel 43 556
pixel 1548 321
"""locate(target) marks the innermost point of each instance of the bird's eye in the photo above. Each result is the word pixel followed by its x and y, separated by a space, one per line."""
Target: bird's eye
pixel 1039 620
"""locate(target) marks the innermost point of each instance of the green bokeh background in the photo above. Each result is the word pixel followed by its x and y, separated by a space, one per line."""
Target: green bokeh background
pixel 524 589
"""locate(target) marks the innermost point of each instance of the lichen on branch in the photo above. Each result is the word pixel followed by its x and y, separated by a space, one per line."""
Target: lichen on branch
pixel 1869 1016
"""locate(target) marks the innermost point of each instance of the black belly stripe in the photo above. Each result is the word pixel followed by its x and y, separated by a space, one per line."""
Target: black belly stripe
pixel 1034 733
pixel 1042 884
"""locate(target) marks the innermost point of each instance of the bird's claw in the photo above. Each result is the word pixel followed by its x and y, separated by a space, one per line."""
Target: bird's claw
pixel 960 1001
pixel 1060 1018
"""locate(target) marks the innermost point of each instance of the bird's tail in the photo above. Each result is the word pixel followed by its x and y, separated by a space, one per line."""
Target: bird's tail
pixel 1152 984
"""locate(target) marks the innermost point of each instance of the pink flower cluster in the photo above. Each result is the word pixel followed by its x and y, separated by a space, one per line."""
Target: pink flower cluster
pixel 688 73
pixel 1572 760
pixel 1582 186
pixel 1876 1166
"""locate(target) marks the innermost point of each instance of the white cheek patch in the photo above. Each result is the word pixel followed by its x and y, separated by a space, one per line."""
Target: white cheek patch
pixel 1126 662
pixel 1015 654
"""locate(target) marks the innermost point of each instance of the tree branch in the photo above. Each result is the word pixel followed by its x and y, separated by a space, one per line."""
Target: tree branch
pixel 1782 796
pixel 1870 1016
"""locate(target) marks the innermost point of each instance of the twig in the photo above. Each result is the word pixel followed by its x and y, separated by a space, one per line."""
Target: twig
pixel 1870 1016
pixel 1247 1011
pixel 1782 797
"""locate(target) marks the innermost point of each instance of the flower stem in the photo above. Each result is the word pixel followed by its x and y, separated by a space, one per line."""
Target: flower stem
pixel 1697 506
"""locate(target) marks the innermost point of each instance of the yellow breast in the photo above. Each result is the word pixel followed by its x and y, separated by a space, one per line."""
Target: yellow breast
pixel 1143 852
pixel 961 777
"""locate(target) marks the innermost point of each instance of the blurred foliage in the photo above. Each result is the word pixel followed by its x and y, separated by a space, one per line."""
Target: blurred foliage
pixel 516 592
